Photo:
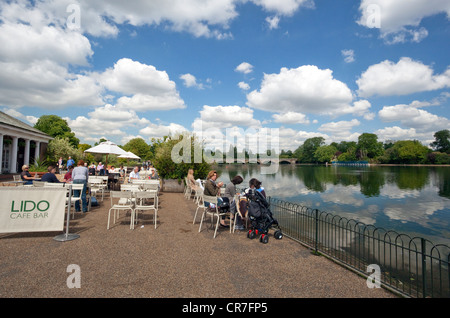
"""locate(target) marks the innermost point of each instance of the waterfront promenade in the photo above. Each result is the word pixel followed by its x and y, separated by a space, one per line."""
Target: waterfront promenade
pixel 172 261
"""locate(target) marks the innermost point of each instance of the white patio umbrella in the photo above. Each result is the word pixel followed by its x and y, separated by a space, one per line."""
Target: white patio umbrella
pixel 106 148
pixel 129 155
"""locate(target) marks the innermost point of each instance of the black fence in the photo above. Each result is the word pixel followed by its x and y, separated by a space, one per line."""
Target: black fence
pixel 411 266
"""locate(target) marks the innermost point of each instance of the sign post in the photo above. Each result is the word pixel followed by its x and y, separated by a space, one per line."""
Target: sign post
pixel 67 236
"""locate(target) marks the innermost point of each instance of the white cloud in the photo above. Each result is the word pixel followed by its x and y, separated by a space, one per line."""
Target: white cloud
pixel 349 56
pixel 399 20
pixel 159 130
pixel 283 7
pixel 290 118
pixel 190 81
pixel 396 133
pixel 225 117
pixel 273 22
pixel 402 78
pixel 150 89
pixel 244 67
pixel 340 126
pixel 412 116
pixel 244 86
pixel 46 84
pixel 307 90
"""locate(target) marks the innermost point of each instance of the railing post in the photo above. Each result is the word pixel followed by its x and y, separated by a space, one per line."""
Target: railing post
pixel 317 232
pixel 424 269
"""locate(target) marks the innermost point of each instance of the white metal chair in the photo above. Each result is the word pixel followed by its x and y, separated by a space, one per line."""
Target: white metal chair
pixel 73 198
pixel 146 200
pixel 96 185
pixel 124 203
pixel 200 203
pixel 213 200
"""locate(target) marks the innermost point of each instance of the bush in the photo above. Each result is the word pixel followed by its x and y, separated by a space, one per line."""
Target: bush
pixel 166 153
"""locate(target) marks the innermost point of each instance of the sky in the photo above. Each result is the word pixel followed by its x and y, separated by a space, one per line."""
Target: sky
pixel 294 69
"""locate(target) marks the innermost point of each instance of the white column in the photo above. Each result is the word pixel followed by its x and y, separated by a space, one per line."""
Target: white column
pixel 37 151
pixel 26 155
pixel 13 166
pixel 1 152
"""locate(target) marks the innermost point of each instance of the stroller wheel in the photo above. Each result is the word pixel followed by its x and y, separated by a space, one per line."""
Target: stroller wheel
pixel 251 234
pixel 278 235
pixel 264 238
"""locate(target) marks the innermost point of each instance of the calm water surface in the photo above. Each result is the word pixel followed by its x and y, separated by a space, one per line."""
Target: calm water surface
pixel 409 200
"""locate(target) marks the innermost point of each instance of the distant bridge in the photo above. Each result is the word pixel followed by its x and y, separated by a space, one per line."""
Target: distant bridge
pixel 291 161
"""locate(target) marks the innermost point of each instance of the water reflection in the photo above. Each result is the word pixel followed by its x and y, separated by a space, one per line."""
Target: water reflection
pixel 411 200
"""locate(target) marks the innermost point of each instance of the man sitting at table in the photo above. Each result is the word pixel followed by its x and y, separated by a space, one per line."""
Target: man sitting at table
pixel 26 175
pixel 50 176
pixel 134 174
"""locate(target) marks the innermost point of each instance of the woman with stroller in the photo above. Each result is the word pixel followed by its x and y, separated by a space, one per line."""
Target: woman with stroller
pixel 230 192
pixel 212 188
pixel 256 184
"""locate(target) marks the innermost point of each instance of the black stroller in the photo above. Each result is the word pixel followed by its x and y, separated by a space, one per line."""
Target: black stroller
pixel 261 218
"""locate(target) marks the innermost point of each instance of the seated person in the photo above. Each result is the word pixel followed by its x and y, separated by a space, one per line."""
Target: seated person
pixel 100 169
pixel 50 175
pixel 26 175
pixel 230 192
pixel 122 171
pixel 154 175
pixel 134 174
pixel 213 189
pixel 191 180
pixel 92 169
pixel 112 170
pixel 68 175
pixel 256 184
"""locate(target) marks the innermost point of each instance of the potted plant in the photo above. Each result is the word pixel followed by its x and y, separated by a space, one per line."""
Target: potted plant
pixel 40 167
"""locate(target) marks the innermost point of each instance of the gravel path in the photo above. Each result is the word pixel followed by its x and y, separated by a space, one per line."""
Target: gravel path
pixel 172 261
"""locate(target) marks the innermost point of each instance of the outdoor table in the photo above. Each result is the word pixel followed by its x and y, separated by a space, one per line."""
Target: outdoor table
pixel 113 180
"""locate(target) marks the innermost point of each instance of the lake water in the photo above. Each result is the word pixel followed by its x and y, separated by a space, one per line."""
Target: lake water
pixel 409 200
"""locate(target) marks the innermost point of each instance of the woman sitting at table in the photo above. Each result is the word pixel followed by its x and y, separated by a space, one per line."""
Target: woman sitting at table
pixel 191 180
pixel 213 189
pixel 26 175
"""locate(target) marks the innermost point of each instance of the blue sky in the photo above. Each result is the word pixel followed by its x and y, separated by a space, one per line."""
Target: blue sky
pixel 331 68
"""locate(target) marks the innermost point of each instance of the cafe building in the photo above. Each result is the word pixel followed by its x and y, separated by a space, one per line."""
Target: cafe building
pixel 19 144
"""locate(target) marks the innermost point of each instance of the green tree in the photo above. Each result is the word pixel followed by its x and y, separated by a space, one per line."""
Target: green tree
pixel 55 126
pixel 305 153
pixel 61 147
pixel 368 146
pixel 325 153
pixel 407 152
pixel 442 141
pixel 139 147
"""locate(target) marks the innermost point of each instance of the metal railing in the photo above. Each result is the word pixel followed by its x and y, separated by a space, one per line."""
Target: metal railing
pixel 411 266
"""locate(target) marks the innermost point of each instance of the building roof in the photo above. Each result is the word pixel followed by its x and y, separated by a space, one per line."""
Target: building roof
pixel 5 119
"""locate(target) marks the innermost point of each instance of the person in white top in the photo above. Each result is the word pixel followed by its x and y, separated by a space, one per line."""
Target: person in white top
pixel 134 174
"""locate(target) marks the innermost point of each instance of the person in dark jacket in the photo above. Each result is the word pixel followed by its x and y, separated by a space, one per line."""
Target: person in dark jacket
pixel 50 175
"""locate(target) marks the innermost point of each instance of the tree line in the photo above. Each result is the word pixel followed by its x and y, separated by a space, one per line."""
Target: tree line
pixel 368 148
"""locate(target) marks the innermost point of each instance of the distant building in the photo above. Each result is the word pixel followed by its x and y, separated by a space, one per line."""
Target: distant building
pixel 19 144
